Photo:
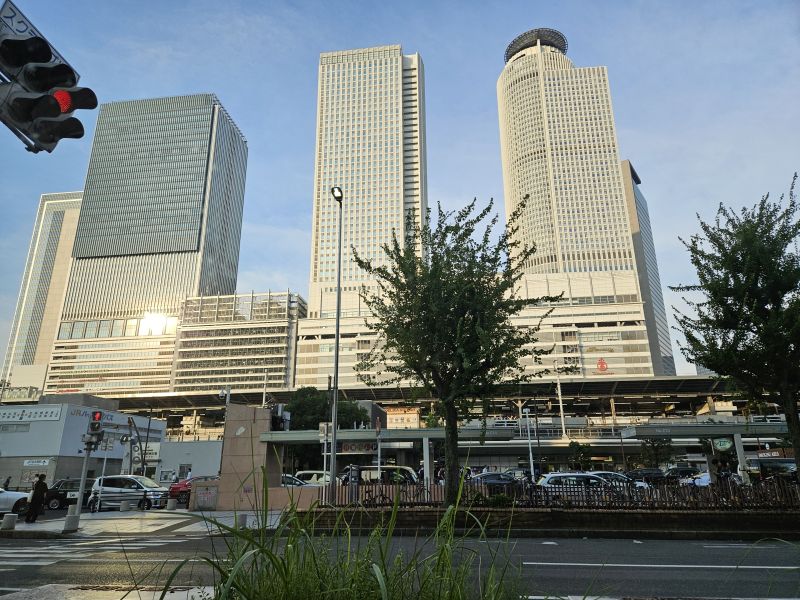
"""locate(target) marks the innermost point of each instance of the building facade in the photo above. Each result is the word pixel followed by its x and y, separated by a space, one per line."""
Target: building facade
pixel 592 234
pixel 160 222
pixel 41 292
pixel 371 143
pixel 245 341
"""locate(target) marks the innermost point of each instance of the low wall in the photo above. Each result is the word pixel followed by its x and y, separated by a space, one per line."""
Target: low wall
pixel 580 523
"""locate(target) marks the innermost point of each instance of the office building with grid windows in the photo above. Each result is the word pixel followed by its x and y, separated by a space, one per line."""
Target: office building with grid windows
pixel 160 222
pixel 585 214
pixel 41 292
pixel 371 143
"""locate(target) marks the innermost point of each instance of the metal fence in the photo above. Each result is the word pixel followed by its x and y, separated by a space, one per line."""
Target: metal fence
pixel 776 494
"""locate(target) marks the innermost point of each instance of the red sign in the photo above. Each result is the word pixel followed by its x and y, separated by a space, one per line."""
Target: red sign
pixel 602 365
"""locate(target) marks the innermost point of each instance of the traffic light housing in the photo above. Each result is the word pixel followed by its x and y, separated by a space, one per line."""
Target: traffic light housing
pixel 38 95
pixel 96 421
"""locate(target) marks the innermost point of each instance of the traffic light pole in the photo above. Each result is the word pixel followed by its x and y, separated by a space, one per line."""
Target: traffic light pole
pixel 73 521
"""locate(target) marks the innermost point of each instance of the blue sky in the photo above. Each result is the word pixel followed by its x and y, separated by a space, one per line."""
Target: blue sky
pixel 705 96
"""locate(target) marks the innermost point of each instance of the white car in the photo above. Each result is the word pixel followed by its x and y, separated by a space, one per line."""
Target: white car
pixel 704 480
pixel 137 490
pixel 615 478
pixel 13 502
pixel 314 477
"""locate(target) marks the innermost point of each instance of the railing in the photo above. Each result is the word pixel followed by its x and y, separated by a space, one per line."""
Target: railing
pixel 776 494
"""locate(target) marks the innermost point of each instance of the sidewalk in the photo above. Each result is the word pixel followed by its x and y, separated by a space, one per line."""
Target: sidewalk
pixel 152 522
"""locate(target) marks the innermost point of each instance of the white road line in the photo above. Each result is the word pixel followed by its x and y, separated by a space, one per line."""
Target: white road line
pixel 549 543
pixel 753 546
pixel 640 566
pixel 27 563
pixel 140 560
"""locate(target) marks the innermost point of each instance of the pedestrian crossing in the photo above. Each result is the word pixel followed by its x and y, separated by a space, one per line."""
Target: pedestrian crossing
pixel 47 552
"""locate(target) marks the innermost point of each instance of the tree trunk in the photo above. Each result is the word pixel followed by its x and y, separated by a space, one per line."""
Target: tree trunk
pixel 451 462
pixel 789 401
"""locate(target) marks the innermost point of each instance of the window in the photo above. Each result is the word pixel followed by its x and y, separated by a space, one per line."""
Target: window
pixel 65 331
pixel 118 328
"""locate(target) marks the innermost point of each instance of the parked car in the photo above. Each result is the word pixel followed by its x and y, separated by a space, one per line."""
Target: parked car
pixel 615 478
pixel 291 481
pixel 389 474
pixel 674 474
pixel 497 483
pixel 65 491
pixel 704 480
pixel 138 490
pixel 575 488
pixel 648 475
pixel 317 477
pixel 183 488
pixel 14 502
pixel 522 474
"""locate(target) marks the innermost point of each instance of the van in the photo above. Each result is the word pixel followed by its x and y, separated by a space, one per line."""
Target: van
pixel 389 474
pixel 314 477
pixel 142 492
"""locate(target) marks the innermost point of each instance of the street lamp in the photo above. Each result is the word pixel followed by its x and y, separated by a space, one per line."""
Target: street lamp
pixel 527 412
pixel 338 195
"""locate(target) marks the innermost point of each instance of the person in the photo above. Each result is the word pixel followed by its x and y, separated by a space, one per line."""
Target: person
pixel 37 500
pixel 7 483
pixel 485 469
pixel 174 478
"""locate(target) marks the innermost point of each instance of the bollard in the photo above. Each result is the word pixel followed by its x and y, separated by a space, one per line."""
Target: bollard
pixel 241 521
pixel 124 505
pixel 72 509
pixel 9 522
pixel 172 504
pixel 71 524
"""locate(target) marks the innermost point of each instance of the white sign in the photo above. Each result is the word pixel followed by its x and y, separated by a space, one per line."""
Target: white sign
pixel 36 462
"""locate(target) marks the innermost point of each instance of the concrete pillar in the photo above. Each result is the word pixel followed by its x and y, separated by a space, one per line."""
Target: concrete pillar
pixel 426 461
pixel 172 504
pixel 742 469
pixel 72 509
pixel 9 522
pixel 241 521
pixel 71 524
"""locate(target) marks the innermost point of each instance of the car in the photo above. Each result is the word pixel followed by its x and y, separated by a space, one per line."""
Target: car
pixel 13 502
pixel 183 488
pixel 318 477
pixel 389 474
pixel 615 478
pixel 109 492
pixel 704 480
pixel 677 473
pixel 65 491
pixel 497 483
pixel 291 481
pixel 648 475
pixel 523 474
pixel 571 488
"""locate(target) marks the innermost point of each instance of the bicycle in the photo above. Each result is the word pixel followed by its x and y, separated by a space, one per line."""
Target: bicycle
pixel 374 498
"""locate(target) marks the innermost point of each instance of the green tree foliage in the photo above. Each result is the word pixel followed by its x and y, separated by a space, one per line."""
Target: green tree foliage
pixel 656 452
pixel 580 456
pixel 746 324
pixel 310 407
pixel 443 315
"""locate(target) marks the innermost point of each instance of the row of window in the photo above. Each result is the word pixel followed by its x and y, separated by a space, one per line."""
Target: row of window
pixel 147 326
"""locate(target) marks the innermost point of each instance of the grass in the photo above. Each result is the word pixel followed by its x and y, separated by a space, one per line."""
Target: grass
pixel 293 562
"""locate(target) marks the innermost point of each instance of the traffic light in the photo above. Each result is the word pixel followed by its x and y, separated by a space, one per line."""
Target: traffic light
pixel 96 422
pixel 38 95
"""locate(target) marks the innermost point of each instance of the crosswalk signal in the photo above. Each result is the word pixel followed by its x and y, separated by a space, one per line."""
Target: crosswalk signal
pixel 38 95
pixel 96 422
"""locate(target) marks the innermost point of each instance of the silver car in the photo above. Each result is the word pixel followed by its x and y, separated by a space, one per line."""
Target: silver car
pixel 142 492
pixel 575 489
pixel 13 502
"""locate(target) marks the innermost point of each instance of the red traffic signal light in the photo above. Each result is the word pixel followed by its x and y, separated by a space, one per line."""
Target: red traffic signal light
pixel 97 415
pixel 96 421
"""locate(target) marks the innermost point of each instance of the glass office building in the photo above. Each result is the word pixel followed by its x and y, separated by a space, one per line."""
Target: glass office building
pixel 160 222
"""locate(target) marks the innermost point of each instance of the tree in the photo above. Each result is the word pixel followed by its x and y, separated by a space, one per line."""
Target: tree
pixel 443 313
pixel 656 452
pixel 580 455
pixel 746 324
pixel 309 407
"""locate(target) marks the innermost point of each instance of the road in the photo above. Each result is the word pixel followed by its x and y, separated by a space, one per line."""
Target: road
pixel 547 567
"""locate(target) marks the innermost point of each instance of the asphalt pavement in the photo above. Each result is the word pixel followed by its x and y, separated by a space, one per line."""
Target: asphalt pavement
pixel 547 567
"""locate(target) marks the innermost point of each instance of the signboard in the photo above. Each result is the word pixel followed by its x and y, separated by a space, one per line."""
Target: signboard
pixel 40 412
pixel 36 462
pixel 357 448
pixel 723 444
pixel 12 20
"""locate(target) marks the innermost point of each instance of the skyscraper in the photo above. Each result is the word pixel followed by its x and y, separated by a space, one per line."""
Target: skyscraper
pixel 371 142
pixel 160 221
pixel 585 213
pixel 42 290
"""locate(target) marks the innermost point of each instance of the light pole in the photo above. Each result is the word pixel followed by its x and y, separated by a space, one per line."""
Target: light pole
pixel 560 401
pixel 338 195
pixel 527 412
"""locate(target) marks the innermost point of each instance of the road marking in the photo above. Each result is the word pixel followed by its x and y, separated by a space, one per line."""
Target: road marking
pixel 549 543
pixel 640 566
pixel 140 560
pixel 754 546
pixel 31 563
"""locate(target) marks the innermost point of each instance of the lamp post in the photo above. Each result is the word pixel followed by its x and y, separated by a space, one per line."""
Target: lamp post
pixel 338 195
pixel 527 412
pixel 560 401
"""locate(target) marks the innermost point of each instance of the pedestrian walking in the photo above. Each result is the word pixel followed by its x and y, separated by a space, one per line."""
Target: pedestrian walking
pixel 7 483
pixel 37 500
